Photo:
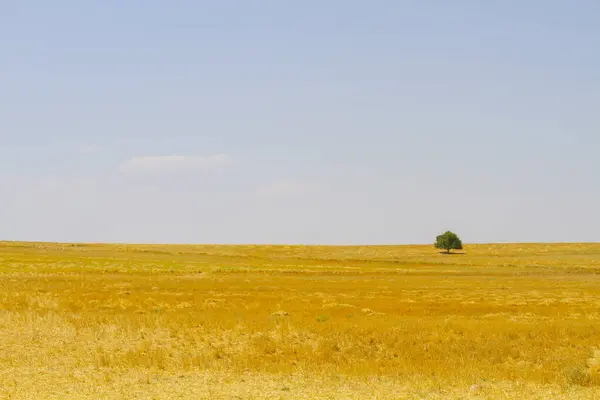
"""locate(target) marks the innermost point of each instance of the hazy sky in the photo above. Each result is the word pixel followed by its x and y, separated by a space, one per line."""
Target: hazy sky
pixel 333 121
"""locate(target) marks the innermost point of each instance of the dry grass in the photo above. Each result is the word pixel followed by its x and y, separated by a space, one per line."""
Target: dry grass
pixel 254 322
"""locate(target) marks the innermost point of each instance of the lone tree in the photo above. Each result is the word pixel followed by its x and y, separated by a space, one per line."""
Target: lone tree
pixel 448 241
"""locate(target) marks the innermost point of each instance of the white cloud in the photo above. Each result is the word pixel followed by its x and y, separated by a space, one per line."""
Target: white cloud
pixel 286 188
pixel 176 163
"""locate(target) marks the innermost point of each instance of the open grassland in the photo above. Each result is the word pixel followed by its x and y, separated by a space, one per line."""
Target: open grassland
pixel 314 322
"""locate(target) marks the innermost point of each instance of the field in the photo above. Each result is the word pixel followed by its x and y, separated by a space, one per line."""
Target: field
pixel 314 322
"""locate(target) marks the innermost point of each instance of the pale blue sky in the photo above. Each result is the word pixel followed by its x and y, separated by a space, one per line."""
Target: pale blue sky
pixel 336 122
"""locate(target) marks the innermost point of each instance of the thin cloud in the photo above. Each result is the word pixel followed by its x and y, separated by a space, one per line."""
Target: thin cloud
pixel 286 188
pixel 89 149
pixel 174 163
pixel 49 185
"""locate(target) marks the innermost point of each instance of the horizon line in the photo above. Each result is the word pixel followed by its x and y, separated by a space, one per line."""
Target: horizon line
pixel 285 244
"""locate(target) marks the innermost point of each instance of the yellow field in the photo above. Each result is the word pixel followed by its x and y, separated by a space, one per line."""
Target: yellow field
pixel 314 322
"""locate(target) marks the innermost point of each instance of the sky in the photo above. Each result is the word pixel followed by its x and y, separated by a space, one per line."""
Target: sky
pixel 331 122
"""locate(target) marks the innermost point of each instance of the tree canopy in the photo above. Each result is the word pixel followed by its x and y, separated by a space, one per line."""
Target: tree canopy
pixel 448 241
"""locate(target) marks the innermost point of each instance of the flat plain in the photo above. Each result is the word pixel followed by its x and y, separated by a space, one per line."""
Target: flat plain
pixel 92 321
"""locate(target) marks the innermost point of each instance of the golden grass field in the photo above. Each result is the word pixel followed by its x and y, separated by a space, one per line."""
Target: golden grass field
pixel 510 321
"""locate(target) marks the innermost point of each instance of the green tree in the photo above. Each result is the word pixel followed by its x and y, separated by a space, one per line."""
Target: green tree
pixel 448 241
